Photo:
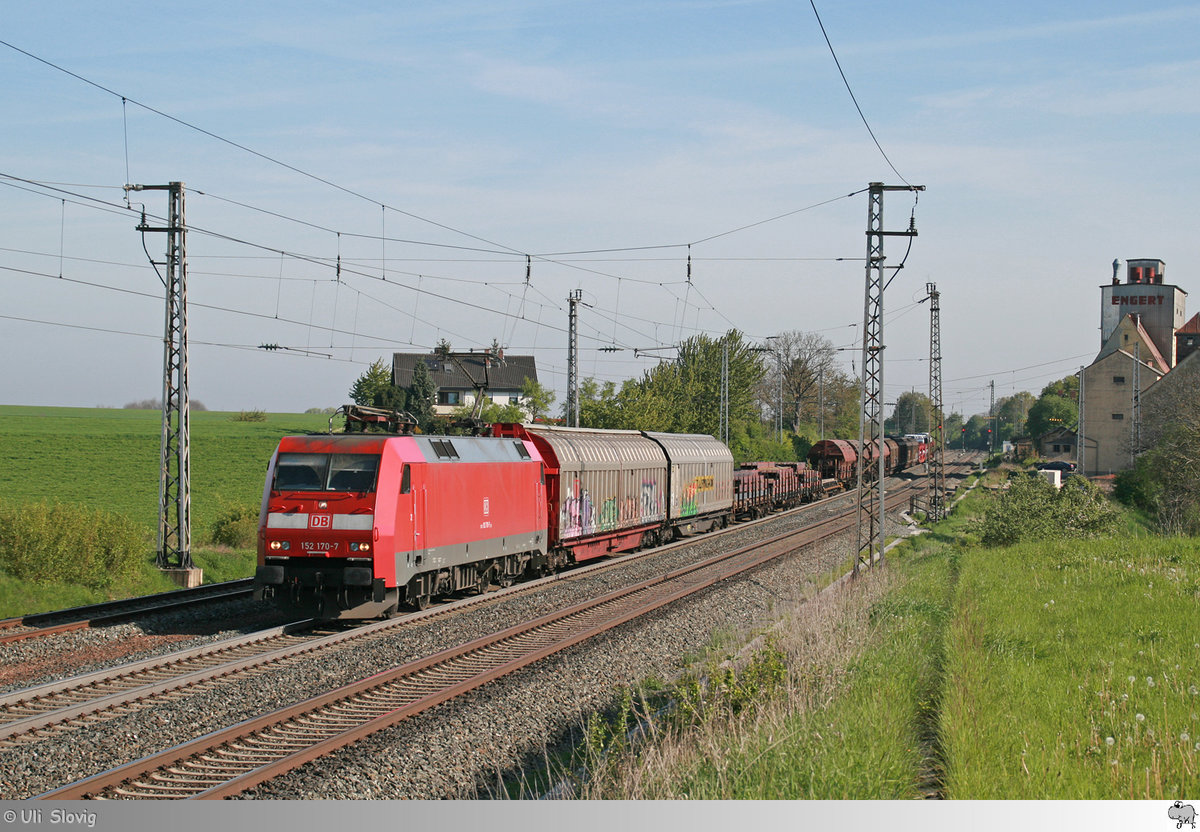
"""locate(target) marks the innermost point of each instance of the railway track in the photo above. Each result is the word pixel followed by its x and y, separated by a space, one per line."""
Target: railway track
pixel 232 760
pixel 33 713
pixel 111 612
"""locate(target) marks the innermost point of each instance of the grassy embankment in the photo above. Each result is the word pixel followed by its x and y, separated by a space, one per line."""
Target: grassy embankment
pixel 109 460
pixel 1049 670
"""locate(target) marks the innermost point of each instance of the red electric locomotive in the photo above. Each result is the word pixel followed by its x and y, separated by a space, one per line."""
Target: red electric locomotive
pixel 354 525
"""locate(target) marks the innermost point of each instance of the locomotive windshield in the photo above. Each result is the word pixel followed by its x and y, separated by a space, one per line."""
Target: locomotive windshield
pixel 325 472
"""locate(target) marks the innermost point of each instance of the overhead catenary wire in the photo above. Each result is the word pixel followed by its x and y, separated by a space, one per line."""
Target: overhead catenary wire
pixel 853 97
pixel 265 157
pixel 421 277
pixel 681 320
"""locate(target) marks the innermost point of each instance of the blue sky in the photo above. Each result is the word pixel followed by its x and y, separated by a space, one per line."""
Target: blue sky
pixel 1052 139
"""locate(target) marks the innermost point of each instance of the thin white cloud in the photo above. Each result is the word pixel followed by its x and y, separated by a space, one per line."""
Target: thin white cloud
pixel 1160 89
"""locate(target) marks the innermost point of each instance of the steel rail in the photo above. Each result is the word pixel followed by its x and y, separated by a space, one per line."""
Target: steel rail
pixel 234 759
pixel 27 714
pixel 112 612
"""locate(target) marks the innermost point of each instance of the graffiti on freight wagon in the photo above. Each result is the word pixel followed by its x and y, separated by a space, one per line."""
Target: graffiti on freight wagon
pixel 691 492
pixel 581 514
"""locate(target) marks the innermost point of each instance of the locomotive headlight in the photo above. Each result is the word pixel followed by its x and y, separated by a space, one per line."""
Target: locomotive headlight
pixel 360 547
pixel 276 545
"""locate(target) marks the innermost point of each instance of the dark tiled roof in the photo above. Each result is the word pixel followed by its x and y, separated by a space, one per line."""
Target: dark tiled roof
pixel 507 373
pixel 1192 327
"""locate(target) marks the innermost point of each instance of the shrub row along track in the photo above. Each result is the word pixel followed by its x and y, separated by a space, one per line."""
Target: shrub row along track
pixel 111 612
pixel 235 759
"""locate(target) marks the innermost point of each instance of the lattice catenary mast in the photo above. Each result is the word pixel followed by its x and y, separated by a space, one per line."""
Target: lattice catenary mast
pixel 937 473
pixel 174 476
pixel 870 516
pixel 573 359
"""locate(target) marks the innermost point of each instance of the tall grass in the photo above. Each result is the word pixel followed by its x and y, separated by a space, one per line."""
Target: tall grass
pixel 1057 669
pixel 838 723
pixel 106 461
pixel 57 542
pixel 1075 672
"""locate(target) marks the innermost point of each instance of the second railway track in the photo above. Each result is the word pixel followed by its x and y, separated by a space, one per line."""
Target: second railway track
pixel 234 759
pixel 39 625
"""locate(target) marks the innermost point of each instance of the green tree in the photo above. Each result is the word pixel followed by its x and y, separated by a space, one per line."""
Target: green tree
pixel 912 414
pixel 1050 412
pixel 537 399
pixel 375 381
pixel 1032 509
pixel 599 405
pixel 422 393
pixel 684 395
pixel 977 431
pixel 1166 476
pixel 1012 413
pixel 1065 388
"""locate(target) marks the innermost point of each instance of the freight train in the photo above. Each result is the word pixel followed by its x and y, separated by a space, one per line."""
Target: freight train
pixel 355 525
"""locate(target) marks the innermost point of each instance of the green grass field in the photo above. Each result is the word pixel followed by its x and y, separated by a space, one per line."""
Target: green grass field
pixel 1058 669
pixel 109 460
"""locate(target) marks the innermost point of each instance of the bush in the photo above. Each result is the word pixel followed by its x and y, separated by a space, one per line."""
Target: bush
pixel 236 526
pixel 250 416
pixel 68 543
pixel 1033 509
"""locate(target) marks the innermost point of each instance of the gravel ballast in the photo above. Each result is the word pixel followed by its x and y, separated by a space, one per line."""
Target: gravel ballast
pixel 458 749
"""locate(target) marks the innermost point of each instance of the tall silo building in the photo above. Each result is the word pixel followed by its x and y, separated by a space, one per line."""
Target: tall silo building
pixel 1160 307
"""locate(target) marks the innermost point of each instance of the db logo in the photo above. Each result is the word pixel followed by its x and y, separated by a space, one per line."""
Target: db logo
pixel 320 521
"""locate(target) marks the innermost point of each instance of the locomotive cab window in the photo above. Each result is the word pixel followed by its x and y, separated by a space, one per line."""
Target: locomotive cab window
pixel 326 472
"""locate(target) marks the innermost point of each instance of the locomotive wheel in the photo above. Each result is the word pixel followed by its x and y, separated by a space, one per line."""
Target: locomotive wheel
pixel 421 602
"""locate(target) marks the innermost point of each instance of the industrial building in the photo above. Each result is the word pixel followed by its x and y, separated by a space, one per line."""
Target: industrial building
pixel 1143 336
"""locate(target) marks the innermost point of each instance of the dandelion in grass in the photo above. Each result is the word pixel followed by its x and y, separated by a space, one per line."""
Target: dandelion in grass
pixel 1140 717
pixel 1194 691
pixel 1184 737
pixel 1109 741
pixel 1149 681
